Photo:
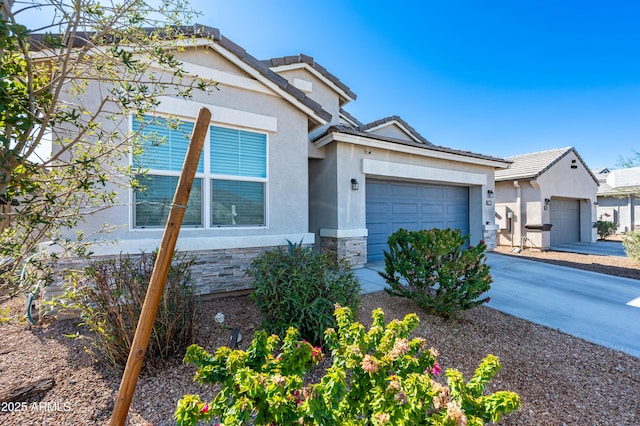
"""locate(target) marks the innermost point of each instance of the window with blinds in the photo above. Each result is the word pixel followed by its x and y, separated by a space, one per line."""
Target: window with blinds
pixel 233 174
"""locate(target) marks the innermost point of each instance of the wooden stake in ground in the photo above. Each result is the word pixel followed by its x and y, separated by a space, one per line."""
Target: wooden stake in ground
pixel 160 270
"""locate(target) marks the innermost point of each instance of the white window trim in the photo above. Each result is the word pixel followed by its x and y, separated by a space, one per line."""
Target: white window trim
pixel 206 182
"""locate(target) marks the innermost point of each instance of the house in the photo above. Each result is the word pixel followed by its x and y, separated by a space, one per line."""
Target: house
pixel 546 198
pixel 285 162
pixel 619 197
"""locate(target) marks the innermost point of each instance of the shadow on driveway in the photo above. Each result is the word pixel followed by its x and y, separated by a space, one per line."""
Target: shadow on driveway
pixel 599 248
pixel 602 309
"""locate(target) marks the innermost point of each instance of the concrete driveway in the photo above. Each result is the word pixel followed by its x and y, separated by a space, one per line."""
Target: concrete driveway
pixel 601 248
pixel 599 308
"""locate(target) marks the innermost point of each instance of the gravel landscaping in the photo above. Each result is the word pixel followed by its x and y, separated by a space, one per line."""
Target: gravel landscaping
pixel 560 379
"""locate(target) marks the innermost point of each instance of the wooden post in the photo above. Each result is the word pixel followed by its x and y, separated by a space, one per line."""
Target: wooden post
pixel 160 270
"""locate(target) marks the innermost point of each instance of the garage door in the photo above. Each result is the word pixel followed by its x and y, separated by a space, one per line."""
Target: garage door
pixel 393 205
pixel 565 220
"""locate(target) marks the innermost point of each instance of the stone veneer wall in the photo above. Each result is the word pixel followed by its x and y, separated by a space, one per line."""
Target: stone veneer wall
pixel 351 249
pixel 214 271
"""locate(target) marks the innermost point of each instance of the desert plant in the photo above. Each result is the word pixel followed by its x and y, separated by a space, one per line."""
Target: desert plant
pixel 5 315
pixel 631 244
pixel 299 288
pixel 377 377
pixel 606 229
pixel 109 299
pixel 432 268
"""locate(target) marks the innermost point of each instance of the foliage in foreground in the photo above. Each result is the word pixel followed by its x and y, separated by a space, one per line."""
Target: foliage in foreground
pixel 606 229
pixel 69 89
pixel 378 377
pixel 432 268
pixel 631 244
pixel 110 298
pixel 299 288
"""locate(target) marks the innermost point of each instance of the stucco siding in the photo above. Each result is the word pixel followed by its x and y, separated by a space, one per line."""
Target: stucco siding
pixel 320 91
pixel 209 58
pixel 287 191
pixel 531 203
pixel 323 192
pixel 350 161
pixel 563 181
pixel 392 131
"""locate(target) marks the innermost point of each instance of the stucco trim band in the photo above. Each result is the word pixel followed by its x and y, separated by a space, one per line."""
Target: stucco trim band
pixel 409 171
pixel 219 114
pixel 135 246
pixel 344 233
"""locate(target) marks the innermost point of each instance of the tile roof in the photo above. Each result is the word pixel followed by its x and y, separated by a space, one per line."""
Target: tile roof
pixel 305 59
pixel 203 31
pixel 262 68
pixel 530 166
pixel 427 146
pixel 620 182
pixel 391 119
pixel 350 118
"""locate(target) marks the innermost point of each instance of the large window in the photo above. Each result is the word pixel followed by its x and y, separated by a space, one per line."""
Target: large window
pixel 230 184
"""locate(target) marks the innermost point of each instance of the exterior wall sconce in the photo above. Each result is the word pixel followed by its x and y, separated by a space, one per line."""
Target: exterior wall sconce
pixel 354 184
pixel 547 201
pixel 595 203
pixel 490 193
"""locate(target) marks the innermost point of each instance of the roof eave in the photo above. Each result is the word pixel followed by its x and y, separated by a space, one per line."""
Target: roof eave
pixel 344 93
pixel 284 89
pixel 431 151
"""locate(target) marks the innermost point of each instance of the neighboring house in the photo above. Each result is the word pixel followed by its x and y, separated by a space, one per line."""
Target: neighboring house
pixel 619 197
pixel 546 198
pixel 284 162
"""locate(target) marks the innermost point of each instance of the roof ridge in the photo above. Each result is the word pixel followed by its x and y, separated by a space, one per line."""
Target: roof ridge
pixel 358 132
pixel 564 149
pixel 214 34
pixel 279 61
pixel 391 118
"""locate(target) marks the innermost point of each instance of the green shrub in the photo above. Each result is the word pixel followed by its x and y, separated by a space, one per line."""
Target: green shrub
pixel 299 288
pixel 377 377
pixel 606 229
pixel 431 268
pixel 631 244
pixel 109 299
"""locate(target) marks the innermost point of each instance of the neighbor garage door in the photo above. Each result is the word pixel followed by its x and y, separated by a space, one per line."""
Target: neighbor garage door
pixel 565 221
pixel 393 205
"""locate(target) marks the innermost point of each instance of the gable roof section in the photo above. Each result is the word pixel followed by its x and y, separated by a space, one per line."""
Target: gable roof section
pixel 304 61
pixel 620 182
pixel 257 69
pixel 400 123
pixel 259 66
pixel 531 166
pixel 350 119
pixel 350 134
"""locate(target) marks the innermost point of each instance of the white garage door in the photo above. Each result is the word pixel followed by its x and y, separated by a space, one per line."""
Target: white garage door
pixel 565 220
pixel 392 205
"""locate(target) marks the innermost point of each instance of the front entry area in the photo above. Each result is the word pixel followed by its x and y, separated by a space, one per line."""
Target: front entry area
pixel 391 205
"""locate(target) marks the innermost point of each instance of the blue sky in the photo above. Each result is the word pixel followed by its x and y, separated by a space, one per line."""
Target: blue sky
pixel 500 78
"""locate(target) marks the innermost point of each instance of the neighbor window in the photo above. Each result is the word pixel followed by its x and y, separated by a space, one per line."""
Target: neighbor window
pixel 230 184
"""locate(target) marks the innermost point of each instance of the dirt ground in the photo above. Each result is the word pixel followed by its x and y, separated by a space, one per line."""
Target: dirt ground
pixel 561 380
pixel 611 265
